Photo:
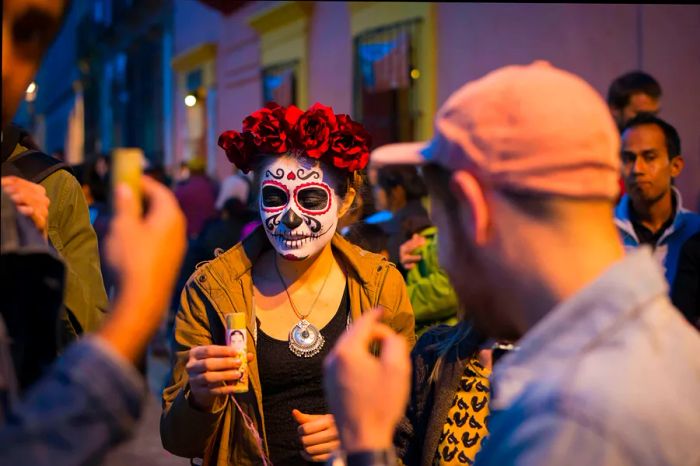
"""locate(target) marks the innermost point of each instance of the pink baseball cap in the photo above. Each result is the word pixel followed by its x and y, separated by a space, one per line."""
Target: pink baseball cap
pixel 532 128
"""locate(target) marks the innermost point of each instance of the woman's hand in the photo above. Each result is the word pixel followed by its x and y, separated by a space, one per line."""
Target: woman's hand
pixel 213 371
pixel 318 435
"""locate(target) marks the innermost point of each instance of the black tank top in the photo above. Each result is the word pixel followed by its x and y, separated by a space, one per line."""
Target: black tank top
pixel 290 382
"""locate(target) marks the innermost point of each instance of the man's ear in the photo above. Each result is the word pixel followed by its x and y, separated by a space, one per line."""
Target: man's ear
pixel 347 202
pixel 677 164
pixel 466 188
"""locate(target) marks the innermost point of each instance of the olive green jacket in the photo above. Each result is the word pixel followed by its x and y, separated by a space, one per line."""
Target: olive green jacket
pixel 75 240
pixel 224 285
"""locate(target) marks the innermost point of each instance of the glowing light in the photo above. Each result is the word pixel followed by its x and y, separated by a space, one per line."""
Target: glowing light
pixel 190 100
pixel 415 74
pixel 30 93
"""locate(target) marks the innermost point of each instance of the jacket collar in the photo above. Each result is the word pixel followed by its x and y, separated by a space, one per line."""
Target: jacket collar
pixel 239 260
pixel 623 216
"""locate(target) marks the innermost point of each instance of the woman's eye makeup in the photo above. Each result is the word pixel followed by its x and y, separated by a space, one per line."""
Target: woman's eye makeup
pixel 272 196
pixel 313 198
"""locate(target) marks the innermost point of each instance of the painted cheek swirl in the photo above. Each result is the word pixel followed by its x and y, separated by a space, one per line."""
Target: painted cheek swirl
pixel 273 221
pixel 313 224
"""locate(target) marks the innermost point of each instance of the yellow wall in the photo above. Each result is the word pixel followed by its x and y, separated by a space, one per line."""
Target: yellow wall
pixel 369 15
pixel 283 30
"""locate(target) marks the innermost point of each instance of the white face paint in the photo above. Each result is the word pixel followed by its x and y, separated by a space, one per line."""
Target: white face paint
pixel 298 207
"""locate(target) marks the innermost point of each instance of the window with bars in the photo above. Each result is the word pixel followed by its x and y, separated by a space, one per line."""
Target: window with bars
pixel 384 93
pixel 280 83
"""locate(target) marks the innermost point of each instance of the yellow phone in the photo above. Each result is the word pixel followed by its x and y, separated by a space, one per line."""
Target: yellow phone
pixel 127 167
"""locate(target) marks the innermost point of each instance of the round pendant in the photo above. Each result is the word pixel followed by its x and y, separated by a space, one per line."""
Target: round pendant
pixel 305 340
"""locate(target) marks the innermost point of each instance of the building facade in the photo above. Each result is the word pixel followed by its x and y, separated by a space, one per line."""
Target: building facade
pixel 392 64
pixel 171 75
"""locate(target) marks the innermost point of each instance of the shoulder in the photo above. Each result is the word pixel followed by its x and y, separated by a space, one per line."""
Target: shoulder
pixel 629 385
pixel 68 208
pixel 63 181
pixel 526 435
pixel 690 221
pixel 621 211
pixel 354 252
pixel 369 266
pixel 227 265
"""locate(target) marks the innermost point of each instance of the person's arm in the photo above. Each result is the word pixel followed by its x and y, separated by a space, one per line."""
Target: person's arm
pixel 186 430
pixel 91 398
pixel 71 233
pixel 368 394
pixel 405 442
pixel 89 401
pixel 431 296
pixel 428 285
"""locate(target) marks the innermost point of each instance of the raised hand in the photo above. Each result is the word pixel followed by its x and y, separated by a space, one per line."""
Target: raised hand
pixel 407 255
pixel 146 253
pixel 366 394
pixel 31 200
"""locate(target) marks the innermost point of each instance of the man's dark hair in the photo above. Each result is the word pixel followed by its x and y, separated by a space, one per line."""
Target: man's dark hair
pixel 368 236
pixel 405 176
pixel 634 82
pixel 673 141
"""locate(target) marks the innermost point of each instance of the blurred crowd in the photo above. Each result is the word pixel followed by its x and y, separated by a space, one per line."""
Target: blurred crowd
pixel 89 283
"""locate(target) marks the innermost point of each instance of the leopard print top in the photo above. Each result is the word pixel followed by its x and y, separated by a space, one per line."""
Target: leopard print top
pixel 465 426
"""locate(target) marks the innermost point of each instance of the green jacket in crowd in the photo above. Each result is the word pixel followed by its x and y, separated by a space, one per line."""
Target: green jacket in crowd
pixel 432 297
pixel 72 235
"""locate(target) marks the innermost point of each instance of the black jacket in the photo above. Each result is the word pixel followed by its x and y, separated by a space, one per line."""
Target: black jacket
pixel 418 433
pixel 686 286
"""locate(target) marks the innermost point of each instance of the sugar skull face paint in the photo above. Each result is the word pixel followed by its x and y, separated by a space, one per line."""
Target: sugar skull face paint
pixel 298 207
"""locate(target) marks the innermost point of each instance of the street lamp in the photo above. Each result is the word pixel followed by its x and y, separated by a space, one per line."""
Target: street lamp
pixel 190 100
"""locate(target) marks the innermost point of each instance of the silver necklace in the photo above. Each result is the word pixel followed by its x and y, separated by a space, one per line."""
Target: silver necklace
pixel 305 340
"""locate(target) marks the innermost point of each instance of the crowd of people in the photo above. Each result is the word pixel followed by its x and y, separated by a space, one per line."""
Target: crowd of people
pixel 522 289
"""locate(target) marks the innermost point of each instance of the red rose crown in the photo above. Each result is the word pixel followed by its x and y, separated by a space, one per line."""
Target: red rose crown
pixel 317 133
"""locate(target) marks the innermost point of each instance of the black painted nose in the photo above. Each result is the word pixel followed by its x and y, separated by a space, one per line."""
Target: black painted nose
pixel 291 220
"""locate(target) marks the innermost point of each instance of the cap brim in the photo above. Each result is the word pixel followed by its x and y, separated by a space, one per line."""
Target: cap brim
pixel 404 153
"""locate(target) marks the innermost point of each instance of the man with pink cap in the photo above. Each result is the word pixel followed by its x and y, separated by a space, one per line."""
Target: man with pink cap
pixel 522 174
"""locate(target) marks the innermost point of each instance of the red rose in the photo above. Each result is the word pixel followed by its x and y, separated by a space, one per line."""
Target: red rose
pixel 291 115
pixel 266 127
pixel 313 130
pixel 349 144
pixel 238 147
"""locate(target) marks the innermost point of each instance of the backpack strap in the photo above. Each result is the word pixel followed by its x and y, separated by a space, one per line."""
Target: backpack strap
pixel 34 166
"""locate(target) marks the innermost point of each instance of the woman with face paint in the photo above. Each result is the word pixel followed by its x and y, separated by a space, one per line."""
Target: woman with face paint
pixel 300 285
